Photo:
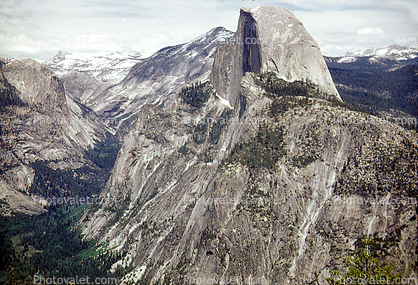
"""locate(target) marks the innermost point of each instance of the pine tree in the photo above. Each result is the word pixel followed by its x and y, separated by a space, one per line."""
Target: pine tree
pixel 364 269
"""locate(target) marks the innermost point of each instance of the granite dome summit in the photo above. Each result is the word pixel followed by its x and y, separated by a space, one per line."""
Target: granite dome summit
pixel 269 38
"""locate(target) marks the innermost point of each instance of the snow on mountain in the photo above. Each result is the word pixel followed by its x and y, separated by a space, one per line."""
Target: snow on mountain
pixel 107 67
pixel 87 74
pixel 156 79
pixel 116 85
pixel 392 52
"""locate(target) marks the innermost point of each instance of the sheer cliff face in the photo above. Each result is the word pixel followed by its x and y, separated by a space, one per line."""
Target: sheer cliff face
pixel 38 86
pixel 269 39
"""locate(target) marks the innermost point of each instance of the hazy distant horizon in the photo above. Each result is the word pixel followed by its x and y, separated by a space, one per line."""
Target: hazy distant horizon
pixel 38 30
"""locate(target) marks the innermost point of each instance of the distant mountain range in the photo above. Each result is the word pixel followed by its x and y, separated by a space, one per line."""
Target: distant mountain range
pixel 393 52
pixel 107 67
pixel 380 81
pixel 117 85
pixel 98 79
pixel 87 74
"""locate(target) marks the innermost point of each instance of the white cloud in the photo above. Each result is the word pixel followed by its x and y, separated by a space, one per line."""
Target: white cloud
pixel 370 31
pixel 22 46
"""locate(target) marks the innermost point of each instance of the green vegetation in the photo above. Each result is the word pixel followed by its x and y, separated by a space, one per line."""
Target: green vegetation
pixel 85 181
pixel 281 104
pixel 45 245
pixel 184 150
pixel 288 94
pixel 393 168
pixel 304 160
pixel 365 269
pixel 263 150
pixel 104 153
pixel 197 94
pixel 267 147
pixel 208 235
pixel 49 182
pixel 219 126
pixel 199 133
pixel 275 86
pixel 210 128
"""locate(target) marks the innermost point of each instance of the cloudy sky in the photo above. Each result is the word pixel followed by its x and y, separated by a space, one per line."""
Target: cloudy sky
pixel 38 29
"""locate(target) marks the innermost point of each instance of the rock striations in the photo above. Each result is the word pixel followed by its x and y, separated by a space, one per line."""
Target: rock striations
pixel 269 38
pixel 268 180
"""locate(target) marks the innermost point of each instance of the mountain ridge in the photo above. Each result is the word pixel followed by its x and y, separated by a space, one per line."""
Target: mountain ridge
pixel 392 52
pixel 233 168
pixel 155 79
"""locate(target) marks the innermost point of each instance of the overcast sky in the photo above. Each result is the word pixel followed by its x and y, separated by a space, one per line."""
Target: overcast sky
pixel 38 29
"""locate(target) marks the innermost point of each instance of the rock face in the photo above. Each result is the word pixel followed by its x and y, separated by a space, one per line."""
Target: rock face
pixel 38 123
pixel 277 191
pixel 269 38
pixel 37 85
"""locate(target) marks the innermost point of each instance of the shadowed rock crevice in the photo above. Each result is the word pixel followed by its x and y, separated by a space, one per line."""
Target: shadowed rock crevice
pixel 251 53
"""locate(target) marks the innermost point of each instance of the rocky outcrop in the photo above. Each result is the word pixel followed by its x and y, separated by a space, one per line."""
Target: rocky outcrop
pixel 37 85
pixel 269 39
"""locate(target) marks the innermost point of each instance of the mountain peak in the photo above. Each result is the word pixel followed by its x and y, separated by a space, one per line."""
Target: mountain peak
pixel 269 38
